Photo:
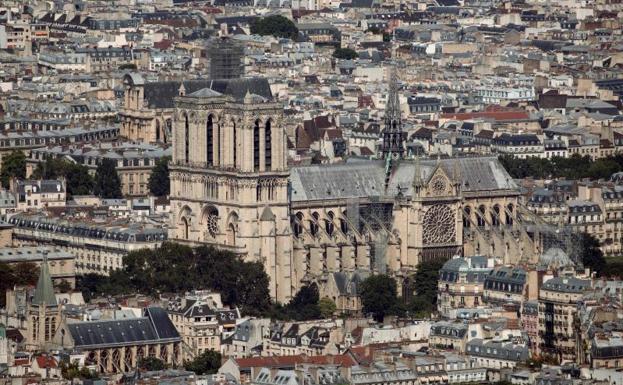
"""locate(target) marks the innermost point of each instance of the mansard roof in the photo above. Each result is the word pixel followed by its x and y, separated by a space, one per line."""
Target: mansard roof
pixel 360 179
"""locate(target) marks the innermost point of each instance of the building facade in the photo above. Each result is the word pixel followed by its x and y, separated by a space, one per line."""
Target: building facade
pixel 231 187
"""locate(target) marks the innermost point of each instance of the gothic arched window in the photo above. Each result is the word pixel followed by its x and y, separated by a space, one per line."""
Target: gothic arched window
pixel 495 216
pixel 344 223
pixel 509 214
pixel 329 226
pixel 256 146
pixel 297 224
pixel 313 224
pixel 235 145
pixel 268 145
pixel 482 212
pixel 186 139
pixel 467 213
pixel 185 227
pixel 210 140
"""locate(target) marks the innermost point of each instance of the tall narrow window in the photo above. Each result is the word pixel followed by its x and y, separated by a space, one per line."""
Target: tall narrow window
pixel 256 146
pixel 217 145
pixel 210 141
pixel 268 145
pixel 186 139
pixel 235 144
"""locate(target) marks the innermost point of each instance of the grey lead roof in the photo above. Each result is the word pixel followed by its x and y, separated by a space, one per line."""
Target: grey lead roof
pixel 162 94
pixel 154 327
pixel 360 179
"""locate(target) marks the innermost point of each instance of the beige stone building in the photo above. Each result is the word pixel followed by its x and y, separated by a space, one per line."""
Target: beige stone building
pixel 231 187
pixel 558 326
pixel 61 265
pixel 461 283
pixel 201 319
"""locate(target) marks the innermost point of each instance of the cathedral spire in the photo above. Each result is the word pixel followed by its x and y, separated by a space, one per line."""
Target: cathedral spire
pixel 44 292
pixel 393 136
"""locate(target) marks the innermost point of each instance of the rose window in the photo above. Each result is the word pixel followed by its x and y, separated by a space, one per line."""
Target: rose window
pixel 439 184
pixel 439 226
pixel 212 223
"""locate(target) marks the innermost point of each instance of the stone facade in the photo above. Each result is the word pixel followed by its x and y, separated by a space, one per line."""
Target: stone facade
pixel 231 187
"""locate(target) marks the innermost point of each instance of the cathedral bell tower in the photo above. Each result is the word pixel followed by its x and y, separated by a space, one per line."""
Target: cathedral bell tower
pixel 44 313
pixel 229 176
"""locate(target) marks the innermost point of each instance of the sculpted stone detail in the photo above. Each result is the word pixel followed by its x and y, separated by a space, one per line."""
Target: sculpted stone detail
pixel 439 185
pixel 439 226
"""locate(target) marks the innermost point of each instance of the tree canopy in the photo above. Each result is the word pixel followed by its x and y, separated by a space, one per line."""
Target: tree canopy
pixel 345 53
pixel 159 181
pixel 13 166
pixel 71 370
pixel 177 268
pixel 107 181
pixel 23 273
pixel 591 255
pixel 327 307
pixel 207 362
pixel 422 288
pixel 275 25
pixel 77 178
pixel 378 296
pixel 574 167
pixel 151 364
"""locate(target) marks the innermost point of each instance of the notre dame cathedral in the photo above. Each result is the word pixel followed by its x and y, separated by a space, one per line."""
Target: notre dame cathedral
pixel 231 187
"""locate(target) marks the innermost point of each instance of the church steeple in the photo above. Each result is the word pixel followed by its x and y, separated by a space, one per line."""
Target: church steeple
pixel 393 136
pixel 44 292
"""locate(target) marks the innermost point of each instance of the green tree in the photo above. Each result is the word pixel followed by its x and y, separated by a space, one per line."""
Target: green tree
pixel 378 296
pixel 78 179
pixel 591 255
pixel 159 181
pixel 50 168
pixel 327 307
pixel 276 25
pixel 64 286
pixel 304 305
pixel 26 273
pixel 13 166
pixel 151 364
pixel 127 66
pixel 207 362
pixel 7 278
pixel 422 289
pixel 71 370
pixel 179 268
pixel 345 53
pixel 107 181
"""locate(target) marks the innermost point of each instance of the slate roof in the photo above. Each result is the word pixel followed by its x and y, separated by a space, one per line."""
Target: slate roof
pixel 44 292
pixel 567 285
pixel 475 269
pixel 161 94
pixel 499 350
pixel 153 327
pixel 363 179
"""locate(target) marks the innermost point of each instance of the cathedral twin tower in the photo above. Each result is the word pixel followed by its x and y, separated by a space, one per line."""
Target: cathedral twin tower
pixel 229 175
